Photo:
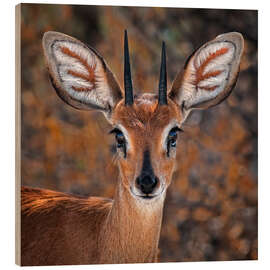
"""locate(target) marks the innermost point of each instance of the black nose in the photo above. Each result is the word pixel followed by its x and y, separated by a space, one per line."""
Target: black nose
pixel 147 183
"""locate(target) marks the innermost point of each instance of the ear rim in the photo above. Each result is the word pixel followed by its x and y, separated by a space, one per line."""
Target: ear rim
pixel 237 40
pixel 116 92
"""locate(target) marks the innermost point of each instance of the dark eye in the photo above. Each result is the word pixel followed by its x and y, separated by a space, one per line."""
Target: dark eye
pixel 172 138
pixel 120 139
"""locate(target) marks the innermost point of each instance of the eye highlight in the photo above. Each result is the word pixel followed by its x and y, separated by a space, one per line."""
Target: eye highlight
pixel 172 139
pixel 120 139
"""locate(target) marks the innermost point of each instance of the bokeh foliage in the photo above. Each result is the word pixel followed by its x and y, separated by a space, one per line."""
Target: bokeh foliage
pixel 211 207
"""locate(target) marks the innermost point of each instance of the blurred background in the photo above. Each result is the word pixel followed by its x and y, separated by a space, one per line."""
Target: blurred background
pixel 210 211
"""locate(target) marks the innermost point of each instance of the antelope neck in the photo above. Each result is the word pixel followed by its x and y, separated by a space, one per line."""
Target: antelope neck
pixel 130 223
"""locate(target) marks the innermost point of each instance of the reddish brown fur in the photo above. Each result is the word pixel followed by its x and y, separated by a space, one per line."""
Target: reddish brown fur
pixel 144 122
pixel 209 88
pixel 58 228
pixel 91 70
pixel 63 229
pixel 199 74
pixel 74 230
pixel 78 74
pixel 145 116
pixel 81 89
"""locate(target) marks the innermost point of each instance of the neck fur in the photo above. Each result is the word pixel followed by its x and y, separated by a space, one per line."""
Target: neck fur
pixel 132 229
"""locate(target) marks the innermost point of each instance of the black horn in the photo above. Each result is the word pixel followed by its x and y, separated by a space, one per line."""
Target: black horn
pixel 162 88
pixel 127 74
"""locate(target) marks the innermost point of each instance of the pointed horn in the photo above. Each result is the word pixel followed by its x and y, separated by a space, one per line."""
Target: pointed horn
pixel 162 89
pixel 127 74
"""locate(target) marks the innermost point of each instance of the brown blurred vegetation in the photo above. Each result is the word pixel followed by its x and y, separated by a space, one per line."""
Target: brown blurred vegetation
pixel 211 207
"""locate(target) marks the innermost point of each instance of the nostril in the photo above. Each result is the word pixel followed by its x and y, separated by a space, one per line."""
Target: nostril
pixel 147 183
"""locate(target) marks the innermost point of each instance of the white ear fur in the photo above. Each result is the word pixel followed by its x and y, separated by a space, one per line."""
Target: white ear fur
pixel 80 76
pixel 210 74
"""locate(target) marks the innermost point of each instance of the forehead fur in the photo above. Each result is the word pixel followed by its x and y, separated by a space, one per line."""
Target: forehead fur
pixel 145 112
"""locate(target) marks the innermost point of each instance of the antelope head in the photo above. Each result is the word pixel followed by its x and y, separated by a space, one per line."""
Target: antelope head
pixel 146 127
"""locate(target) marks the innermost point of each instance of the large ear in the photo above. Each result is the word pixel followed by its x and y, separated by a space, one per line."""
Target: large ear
pixel 209 74
pixel 79 74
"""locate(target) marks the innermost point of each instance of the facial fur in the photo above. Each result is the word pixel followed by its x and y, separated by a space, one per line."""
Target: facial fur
pixel 146 126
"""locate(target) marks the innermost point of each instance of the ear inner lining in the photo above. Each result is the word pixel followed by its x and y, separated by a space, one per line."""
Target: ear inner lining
pixel 213 65
pixel 80 72
pixel 91 70
pixel 208 74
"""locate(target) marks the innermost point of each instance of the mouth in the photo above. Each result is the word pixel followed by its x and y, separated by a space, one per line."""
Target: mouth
pixel 147 196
